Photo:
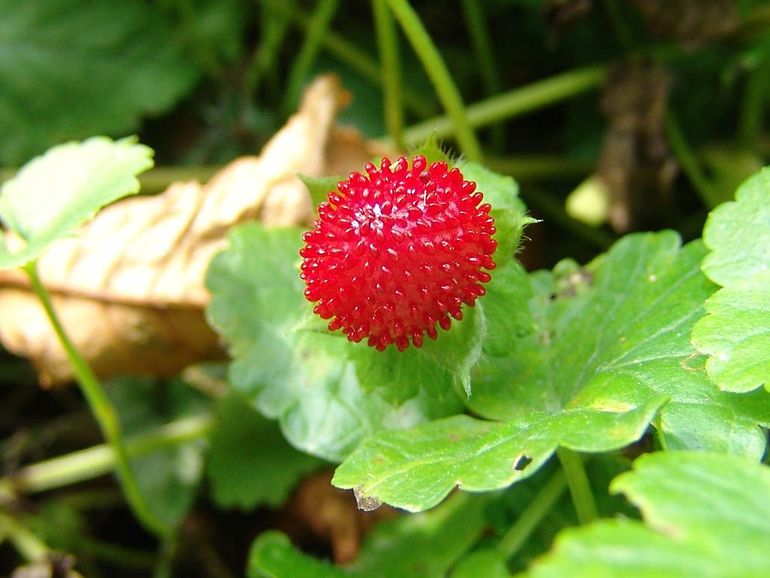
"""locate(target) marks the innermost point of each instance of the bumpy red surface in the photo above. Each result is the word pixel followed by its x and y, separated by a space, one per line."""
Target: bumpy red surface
pixel 398 250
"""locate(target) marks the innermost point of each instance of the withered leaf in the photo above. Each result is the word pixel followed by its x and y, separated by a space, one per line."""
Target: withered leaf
pixel 130 287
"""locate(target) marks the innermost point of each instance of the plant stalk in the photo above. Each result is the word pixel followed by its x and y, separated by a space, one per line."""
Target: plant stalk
pixel 387 42
pixel 534 513
pixel 579 486
pixel 689 163
pixel 517 102
pixel 101 459
pixel 29 546
pixel 437 71
pixel 102 408
pixel 319 24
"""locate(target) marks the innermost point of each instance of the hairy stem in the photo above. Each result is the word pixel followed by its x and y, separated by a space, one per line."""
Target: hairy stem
pixel 102 408
pixel 534 513
pixel 387 42
pixel 517 102
pixel 438 73
pixel 579 486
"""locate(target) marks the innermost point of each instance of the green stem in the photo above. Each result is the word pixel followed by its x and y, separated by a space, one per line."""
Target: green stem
pixel 753 104
pixel 534 513
pixel 438 73
pixel 485 56
pixel 274 27
pixel 482 44
pixel 29 546
pixel 101 407
pixel 319 25
pixel 514 103
pixel 116 554
pixel 99 460
pixel 349 54
pixel 689 163
pixel 391 77
pixel 579 486
pixel 164 565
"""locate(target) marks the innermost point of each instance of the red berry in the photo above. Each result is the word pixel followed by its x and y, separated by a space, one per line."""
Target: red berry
pixel 398 250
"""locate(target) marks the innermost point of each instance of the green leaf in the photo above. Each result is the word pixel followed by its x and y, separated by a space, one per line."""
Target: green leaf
pixel 438 367
pixel 509 211
pixel 735 333
pixel 213 29
pixel 619 329
pixel 273 556
pixel 250 463
pixel 610 352
pixel 169 478
pixel 71 68
pixel 486 563
pixel 320 187
pixel 54 194
pixel 705 515
pixel 304 377
pixel 415 469
pixel 424 545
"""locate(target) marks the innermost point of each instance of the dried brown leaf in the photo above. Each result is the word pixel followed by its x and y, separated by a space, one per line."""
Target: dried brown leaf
pixel 130 287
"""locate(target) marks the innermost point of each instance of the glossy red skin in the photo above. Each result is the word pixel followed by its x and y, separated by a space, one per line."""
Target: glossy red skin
pixel 398 250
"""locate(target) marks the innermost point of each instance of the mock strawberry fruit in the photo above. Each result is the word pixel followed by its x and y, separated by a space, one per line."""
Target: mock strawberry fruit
pixel 397 251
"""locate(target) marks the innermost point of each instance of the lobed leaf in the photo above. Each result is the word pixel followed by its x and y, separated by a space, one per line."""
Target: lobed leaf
pixel 735 333
pixel 54 194
pixel 704 515
pixel 610 352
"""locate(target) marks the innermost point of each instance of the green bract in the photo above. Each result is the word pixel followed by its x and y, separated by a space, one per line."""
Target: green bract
pixel 736 331
pixel 704 515
pixel 610 352
pixel 54 194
